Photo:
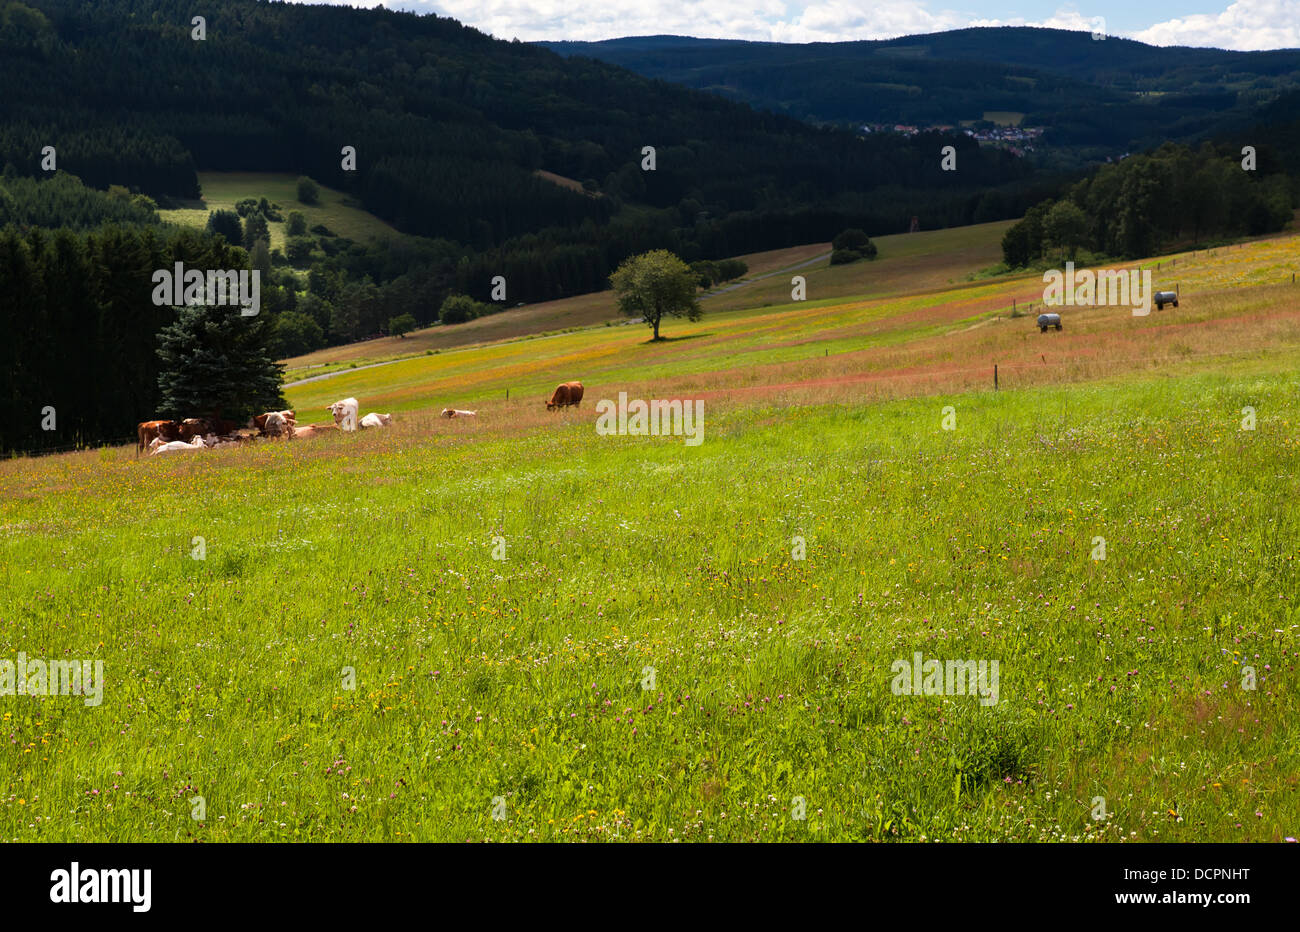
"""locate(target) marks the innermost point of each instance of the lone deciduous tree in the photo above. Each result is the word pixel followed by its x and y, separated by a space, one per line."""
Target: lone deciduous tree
pixel 654 284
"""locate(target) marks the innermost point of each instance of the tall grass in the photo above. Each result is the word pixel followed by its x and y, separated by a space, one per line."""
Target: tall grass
pixel 521 687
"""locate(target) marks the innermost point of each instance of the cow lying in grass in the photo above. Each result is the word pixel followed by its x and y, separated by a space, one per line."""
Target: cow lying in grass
pixel 213 442
pixel 193 427
pixel 313 430
pixel 456 412
pixel 377 420
pixel 275 423
pixel 160 446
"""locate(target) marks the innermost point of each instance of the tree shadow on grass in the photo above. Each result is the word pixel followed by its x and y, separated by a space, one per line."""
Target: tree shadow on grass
pixel 690 336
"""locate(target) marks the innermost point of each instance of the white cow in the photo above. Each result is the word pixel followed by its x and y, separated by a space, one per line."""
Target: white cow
pixel 377 420
pixel 175 446
pixel 455 412
pixel 345 413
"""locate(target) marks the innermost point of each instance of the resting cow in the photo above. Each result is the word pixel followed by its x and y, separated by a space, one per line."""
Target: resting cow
pixel 146 432
pixel 175 446
pixel 345 413
pixel 570 393
pixel 377 420
pixel 456 412
pixel 277 425
pixel 274 424
pixel 313 430
pixel 259 421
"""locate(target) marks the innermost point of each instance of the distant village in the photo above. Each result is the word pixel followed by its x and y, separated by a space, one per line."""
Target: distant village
pixel 1016 139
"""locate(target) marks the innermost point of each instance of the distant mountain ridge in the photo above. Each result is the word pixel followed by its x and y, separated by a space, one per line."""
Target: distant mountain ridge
pixel 1098 97
pixel 450 127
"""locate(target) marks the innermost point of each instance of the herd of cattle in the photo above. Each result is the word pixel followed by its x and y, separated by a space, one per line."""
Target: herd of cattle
pixel 210 433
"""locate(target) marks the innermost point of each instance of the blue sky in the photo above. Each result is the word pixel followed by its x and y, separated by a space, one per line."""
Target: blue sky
pixel 1234 24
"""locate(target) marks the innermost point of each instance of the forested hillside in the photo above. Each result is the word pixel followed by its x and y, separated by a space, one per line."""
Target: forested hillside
pixel 1091 97
pixel 1149 201
pixel 449 126
pixel 78 356
pixel 494 158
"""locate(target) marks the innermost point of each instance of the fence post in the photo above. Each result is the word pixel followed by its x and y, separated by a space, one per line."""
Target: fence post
pixel 995 376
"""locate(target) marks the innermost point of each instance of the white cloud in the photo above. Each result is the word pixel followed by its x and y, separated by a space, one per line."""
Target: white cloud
pixel 838 20
pixel 1244 25
pixel 531 20
pixel 1247 25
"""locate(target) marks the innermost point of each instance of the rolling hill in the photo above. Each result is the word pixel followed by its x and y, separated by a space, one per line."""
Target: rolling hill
pixel 450 129
pixel 631 638
pixel 223 190
pixel 1093 98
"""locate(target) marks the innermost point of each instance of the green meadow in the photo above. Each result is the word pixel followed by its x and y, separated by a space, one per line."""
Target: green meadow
pixel 516 628
pixel 649 659
pixel 222 190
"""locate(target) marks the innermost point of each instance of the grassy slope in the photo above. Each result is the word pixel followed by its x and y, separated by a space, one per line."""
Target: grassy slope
pixel 545 317
pixel 874 346
pixel 909 263
pixel 222 190
pixel 523 678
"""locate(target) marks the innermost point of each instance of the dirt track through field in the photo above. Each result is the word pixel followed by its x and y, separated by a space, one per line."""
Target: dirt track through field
pixel 758 278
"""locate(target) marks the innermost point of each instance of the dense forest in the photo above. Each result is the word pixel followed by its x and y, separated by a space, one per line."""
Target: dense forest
pixel 79 356
pixel 451 130
pixel 1151 201
pixel 449 124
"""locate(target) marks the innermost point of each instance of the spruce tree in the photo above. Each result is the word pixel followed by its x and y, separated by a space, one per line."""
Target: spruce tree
pixel 216 362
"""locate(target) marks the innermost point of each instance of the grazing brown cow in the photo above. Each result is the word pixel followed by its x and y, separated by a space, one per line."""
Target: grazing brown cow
pixel 570 393
pixel 148 431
